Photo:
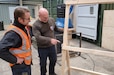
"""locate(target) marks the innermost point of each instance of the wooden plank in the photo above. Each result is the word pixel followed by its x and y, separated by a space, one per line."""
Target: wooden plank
pixel 108 30
pixel 107 38
pixel 89 2
pixel 63 62
pixel 65 35
pixel 87 71
pixel 91 51
pixel 108 19
pixel 71 29
pixel 65 42
pixel 68 62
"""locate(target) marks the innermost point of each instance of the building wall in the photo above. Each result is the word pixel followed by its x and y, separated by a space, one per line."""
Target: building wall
pixel 8 0
pixel 34 0
pixel 4 8
pixel 4 13
pixel 32 10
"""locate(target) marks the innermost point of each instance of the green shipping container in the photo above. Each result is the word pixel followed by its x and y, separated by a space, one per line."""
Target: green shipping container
pixel 102 7
pixel 51 6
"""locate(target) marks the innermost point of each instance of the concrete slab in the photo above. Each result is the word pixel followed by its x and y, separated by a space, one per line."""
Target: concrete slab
pixel 92 62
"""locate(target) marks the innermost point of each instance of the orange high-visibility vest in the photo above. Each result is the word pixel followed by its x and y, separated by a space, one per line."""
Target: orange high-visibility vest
pixel 25 50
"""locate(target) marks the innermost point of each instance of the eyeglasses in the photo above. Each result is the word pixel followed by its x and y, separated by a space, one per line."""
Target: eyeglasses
pixel 26 19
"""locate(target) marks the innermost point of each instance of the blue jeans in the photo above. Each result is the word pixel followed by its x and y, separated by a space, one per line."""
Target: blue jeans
pixel 43 54
pixel 21 69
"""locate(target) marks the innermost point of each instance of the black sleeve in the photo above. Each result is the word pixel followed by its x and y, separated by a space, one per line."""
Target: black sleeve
pixel 58 30
pixel 10 40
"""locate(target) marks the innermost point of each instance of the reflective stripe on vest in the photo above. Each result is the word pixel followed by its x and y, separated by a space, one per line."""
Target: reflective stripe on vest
pixel 25 50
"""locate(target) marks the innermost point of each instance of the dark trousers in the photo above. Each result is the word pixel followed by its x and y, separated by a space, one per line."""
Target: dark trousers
pixel 21 69
pixel 43 54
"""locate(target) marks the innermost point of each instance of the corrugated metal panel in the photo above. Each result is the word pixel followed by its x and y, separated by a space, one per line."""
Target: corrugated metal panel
pixel 22 0
pixel 46 4
pixel 33 0
pixel 102 7
pixel 51 6
pixel 8 0
pixel 4 13
pixel 54 11
pixel 4 8
pixel 54 3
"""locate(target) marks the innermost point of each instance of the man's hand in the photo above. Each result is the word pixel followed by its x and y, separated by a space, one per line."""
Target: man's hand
pixel 54 41
pixel 19 60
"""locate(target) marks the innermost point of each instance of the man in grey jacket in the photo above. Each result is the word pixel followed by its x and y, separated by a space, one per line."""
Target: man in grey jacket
pixel 43 30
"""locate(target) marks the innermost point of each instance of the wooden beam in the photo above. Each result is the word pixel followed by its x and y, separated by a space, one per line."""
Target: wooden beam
pixel 87 71
pixel 89 2
pixel 68 62
pixel 64 63
pixel 65 35
pixel 91 51
pixel 71 29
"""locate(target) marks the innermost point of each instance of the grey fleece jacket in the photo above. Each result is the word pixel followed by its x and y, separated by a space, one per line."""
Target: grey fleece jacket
pixel 43 32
